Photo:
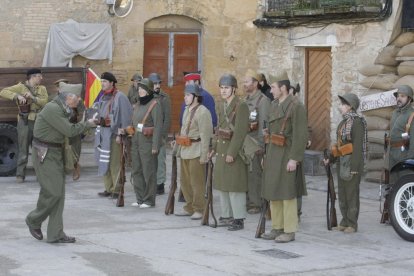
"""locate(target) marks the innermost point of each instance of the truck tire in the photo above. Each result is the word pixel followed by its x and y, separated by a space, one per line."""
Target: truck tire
pixel 402 207
pixel 8 150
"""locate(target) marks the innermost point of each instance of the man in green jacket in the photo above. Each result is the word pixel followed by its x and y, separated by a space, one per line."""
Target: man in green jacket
pixel 50 129
pixel 287 129
pixel 30 97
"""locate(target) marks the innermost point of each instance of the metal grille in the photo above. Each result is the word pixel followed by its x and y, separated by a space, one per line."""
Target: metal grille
pixel 279 254
pixel 289 6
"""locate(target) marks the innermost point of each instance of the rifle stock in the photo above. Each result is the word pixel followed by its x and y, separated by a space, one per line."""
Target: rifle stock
pixel 121 178
pixel 209 196
pixel 331 219
pixel 169 206
pixel 261 226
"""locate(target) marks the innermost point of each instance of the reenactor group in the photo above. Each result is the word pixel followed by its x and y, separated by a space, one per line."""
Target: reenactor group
pixel 257 141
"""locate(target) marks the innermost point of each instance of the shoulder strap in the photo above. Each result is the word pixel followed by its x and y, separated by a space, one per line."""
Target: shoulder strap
pixel 408 125
pixel 191 119
pixel 289 110
pixel 258 100
pixel 153 103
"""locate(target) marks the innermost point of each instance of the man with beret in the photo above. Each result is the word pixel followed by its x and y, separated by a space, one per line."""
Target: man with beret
pixel 133 89
pixel 208 100
pixel 50 130
pixel 259 106
pixel 114 112
pixel 165 101
pixel 30 98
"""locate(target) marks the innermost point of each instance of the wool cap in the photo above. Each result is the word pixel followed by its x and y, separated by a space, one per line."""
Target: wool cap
pixel 109 77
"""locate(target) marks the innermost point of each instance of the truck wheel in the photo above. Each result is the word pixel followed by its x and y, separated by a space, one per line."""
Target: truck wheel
pixel 402 207
pixel 8 150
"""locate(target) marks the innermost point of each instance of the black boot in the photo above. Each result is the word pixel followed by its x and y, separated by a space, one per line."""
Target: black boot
pixel 237 224
pixel 160 189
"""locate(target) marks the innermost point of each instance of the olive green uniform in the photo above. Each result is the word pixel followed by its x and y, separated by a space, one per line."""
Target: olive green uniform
pixel 51 127
pixel 144 162
pixel 279 185
pixel 194 157
pixel 165 102
pixel 231 178
pixel 259 104
pixel 25 122
pixel 348 189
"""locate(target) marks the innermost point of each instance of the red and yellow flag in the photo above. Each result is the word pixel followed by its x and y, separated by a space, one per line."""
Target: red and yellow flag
pixel 93 87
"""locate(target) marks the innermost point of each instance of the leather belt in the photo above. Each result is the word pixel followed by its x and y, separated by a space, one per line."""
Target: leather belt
pixel 397 144
pixel 48 144
pixel 195 140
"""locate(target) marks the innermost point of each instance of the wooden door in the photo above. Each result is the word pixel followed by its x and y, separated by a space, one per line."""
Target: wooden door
pixel 318 95
pixel 171 54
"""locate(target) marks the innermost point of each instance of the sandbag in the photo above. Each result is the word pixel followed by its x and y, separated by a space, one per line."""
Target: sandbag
pixel 387 56
pixel 376 69
pixel 377 123
pixel 385 112
pixel 375 151
pixel 403 39
pixel 373 176
pixel 383 82
pixel 376 136
pixel 406 68
pixel 374 165
pixel 406 51
pixel 407 80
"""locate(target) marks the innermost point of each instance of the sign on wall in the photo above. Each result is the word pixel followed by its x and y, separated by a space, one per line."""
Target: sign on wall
pixel 378 100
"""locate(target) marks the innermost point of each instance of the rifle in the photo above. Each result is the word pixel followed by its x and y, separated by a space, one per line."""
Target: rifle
pixel 209 196
pixel 121 178
pixel 169 207
pixel 385 178
pixel 265 212
pixel 331 196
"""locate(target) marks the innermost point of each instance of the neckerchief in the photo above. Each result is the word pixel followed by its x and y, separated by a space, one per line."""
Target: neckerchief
pixel 346 129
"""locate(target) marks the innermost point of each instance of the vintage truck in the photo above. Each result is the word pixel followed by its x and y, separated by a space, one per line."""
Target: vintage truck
pixel 8 109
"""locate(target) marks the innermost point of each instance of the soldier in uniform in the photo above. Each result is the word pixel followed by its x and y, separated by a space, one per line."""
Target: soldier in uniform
pixel 192 146
pixel 259 106
pixel 30 97
pixel 230 174
pixel 145 144
pixel 133 89
pixel 287 129
pixel 349 153
pixel 165 101
pixel 115 112
pixel 50 129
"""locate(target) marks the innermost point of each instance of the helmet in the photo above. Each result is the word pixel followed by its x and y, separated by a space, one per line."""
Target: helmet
pixel 404 89
pixel 147 85
pixel 193 89
pixel 154 77
pixel 351 99
pixel 229 80
pixel 136 77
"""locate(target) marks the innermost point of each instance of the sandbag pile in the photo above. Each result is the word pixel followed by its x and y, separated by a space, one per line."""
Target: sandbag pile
pixel 393 66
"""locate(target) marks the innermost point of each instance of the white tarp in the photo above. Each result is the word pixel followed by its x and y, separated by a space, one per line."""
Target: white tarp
pixel 70 38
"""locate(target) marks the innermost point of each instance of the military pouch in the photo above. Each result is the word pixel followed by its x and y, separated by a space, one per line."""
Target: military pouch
pixel 41 151
pixel 24 108
pixel 343 150
pixel 278 139
pixel 183 141
pixel 130 130
pixel 253 126
pixel 225 134
pixel 148 131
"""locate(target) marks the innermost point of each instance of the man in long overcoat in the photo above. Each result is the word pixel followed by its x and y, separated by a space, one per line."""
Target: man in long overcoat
pixel 288 137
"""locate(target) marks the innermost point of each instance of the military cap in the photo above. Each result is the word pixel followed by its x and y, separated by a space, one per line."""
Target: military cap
pixel 154 77
pixel 404 89
pixel 136 77
pixel 351 99
pixel 33 71
pixel 59 81
pixel 276 78
pixel 75 89
pixel 109 77
pixel 252 74
pixel 192 75
pixel 147 85
pixel 192 89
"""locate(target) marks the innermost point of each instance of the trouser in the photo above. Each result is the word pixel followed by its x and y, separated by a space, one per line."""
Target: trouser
pixel 255 182
pixel 24 139
pixel 193 175
pixel 112 175
pixel 76 143
pixel 233 204
pixel 51 177
pixel 348 196
pixel 162 166
pixel 144 172
pixel 284 215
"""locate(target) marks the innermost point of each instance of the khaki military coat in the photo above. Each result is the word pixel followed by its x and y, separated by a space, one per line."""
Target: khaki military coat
pixel 278 183
pixel 39 92
pixel 260 104
pixel 231 177
pixel 165 102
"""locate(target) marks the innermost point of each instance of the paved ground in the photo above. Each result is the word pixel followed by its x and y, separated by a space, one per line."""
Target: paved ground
pixel 132 241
